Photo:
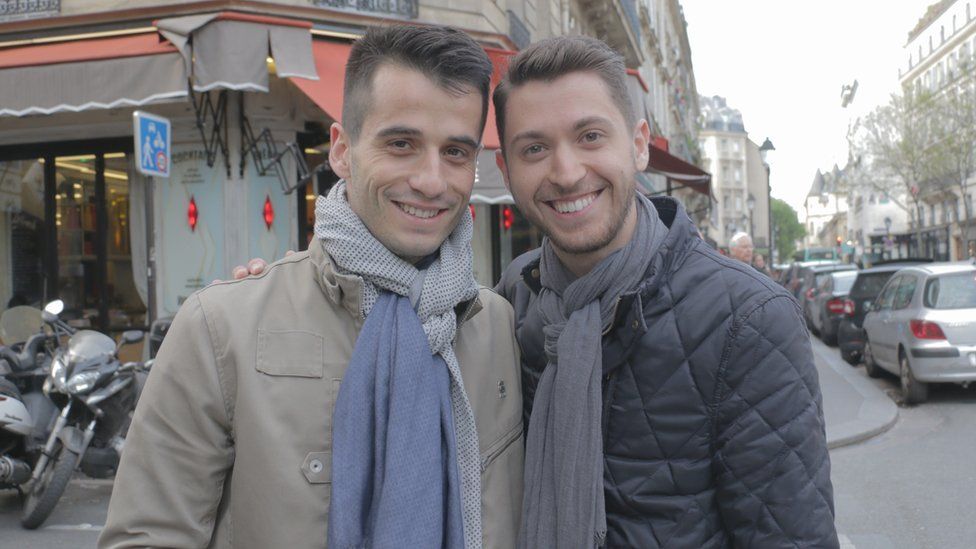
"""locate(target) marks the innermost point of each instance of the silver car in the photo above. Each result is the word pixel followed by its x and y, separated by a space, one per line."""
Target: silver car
pixel 922 327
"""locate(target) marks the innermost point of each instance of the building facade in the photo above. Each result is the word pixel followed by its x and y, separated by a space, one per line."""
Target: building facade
pixel 940 54
pixel 249 134
pixel 826 199
pixel 740 175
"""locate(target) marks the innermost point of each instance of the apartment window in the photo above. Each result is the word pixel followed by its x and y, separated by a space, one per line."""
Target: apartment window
pixel 735 147
pixel 738 175
pixel 738 203
pixel 942 34
pixel 932 214
pixel 724 145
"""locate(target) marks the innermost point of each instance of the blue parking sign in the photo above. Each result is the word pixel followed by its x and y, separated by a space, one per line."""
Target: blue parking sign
pixel 153 138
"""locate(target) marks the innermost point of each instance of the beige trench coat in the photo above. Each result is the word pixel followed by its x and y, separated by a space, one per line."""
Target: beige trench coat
pixel 230 443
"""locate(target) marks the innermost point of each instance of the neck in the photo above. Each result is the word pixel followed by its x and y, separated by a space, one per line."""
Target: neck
pixel 582 263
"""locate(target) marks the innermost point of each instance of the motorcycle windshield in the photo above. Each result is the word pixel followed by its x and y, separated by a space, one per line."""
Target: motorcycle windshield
pixel 89 345
pixel 17 324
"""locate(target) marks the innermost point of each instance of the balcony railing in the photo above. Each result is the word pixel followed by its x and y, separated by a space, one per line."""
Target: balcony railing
pixel 400 8
pixel 11 10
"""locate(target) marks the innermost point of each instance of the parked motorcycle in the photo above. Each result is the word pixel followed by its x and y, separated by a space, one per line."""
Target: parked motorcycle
pixel 96 394
pixel 25 412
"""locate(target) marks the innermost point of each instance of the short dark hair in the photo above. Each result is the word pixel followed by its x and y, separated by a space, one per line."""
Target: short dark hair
pixel 446 55
pixel 551 58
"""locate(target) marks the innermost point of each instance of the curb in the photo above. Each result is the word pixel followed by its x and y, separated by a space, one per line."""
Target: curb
pixel 876 414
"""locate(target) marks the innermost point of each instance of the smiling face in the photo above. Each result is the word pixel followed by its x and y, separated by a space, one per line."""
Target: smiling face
pixel 410 172
pixel 570 161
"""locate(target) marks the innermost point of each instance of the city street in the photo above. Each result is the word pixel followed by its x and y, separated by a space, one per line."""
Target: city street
pixel 910 487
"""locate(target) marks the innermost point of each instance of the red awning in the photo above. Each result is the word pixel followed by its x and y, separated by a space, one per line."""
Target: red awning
pixel 679 171
pixel 330 63
pixel 93 49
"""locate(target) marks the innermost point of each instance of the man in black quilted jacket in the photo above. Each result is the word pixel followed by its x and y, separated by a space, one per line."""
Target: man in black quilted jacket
pixel 671 397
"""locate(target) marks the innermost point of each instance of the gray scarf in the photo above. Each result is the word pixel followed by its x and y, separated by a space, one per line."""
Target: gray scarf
pixel 563 504
pixel 447 282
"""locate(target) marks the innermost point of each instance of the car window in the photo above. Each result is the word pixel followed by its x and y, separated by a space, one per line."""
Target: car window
pixel 884 300
pixel 952 291
pixel 869 285
pixel 843 282
pixel 904 292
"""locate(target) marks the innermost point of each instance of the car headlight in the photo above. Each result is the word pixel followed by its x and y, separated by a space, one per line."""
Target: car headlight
pixel 81 383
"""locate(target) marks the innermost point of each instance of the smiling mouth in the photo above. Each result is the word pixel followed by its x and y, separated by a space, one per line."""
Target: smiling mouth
pixel 575 205
pixel 419 213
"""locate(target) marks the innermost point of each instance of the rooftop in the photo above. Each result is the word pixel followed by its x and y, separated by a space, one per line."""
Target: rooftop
pixel 931 14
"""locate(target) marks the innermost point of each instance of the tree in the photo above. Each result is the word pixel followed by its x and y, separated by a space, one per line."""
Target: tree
pixel 954 147
pixel 891 151
pixel 786 229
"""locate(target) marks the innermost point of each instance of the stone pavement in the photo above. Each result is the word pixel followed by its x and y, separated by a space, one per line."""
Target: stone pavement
pixel 854 408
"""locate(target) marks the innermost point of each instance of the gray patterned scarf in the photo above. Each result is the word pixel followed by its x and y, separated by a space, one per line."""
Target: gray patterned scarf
pixel 447 282
pixel 563 505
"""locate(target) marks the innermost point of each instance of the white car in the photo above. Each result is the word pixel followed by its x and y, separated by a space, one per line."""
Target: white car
pixel 922 327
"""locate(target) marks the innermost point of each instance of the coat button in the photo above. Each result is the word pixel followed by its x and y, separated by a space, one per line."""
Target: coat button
pixel 315 466
pixel 535 273
pixel 635 324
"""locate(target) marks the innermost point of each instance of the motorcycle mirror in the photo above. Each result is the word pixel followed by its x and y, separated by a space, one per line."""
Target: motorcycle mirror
pixel 55 307
pixel 132 336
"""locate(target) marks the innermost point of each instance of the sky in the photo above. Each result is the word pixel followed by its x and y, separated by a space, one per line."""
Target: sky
pixel 782 63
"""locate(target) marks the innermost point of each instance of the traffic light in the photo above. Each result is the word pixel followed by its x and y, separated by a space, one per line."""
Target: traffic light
pixel 508 217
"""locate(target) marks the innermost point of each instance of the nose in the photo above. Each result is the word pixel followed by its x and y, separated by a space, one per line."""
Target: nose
pixel 566 170
pixel 428 180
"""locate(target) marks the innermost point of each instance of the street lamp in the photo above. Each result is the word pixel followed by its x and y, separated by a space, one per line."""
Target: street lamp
pixel 887 244
pixel 763 150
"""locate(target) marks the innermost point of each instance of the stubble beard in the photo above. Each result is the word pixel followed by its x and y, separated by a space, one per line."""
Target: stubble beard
pixel 611 230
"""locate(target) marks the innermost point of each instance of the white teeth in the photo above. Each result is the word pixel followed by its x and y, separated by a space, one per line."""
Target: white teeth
pixel 417 212
pixel 574 205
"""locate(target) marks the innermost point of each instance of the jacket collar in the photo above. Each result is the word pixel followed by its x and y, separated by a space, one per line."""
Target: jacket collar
pixel 346 290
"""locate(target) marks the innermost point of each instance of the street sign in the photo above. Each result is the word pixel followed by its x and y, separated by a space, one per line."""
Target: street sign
pixel 153 139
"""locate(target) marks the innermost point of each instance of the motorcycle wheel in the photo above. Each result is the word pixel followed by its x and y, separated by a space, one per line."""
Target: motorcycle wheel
pixel 46 492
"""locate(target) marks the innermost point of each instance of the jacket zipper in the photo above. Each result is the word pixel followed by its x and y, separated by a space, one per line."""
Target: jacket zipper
pixel 510 438
pixel 610 380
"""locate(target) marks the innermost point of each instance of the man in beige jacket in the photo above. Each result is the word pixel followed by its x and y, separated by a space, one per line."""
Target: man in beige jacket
pixel 232 442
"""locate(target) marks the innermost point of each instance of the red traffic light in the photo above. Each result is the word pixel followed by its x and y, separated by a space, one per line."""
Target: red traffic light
pixel 508 217
pixel 192 215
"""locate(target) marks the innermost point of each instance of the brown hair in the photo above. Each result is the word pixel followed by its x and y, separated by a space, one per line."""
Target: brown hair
pixel 446 55
pixel 551 58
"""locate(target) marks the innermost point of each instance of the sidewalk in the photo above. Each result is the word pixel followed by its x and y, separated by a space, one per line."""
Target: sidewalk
pixel 854 408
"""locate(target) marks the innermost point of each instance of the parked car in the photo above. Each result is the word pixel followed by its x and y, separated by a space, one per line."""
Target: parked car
pixel 867 286
pixel 827 306
pixel 923 328
pixel 811 279
pixel 793 277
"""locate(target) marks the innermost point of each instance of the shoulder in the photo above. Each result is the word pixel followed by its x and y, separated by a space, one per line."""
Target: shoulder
pixel 249 296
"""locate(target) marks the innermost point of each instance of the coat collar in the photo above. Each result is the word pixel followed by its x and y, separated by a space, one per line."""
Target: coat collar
pixel 346 290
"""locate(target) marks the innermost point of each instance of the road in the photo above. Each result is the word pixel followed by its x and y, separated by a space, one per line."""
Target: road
pixel 75 523
pixel 909 488
pixel 912 487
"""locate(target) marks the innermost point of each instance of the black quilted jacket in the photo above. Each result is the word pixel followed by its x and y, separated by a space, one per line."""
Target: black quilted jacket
pixel 712 416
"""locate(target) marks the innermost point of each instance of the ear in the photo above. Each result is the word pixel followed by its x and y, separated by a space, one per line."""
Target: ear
pixel 503 167
pixel 339 151
pixel 642 139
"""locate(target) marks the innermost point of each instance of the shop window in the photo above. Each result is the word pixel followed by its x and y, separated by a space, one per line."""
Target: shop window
pixel 22 220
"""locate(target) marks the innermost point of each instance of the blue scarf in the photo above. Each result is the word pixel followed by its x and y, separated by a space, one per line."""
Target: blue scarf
pixel 394 459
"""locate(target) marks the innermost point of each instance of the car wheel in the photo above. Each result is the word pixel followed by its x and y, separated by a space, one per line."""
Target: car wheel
pixel 870 366
pixel 849 357
pixel 912 390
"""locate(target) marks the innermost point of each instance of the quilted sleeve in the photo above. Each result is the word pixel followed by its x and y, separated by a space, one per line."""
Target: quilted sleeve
pixel 771 463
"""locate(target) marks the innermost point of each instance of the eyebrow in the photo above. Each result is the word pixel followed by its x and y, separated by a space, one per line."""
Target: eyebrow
pixel 590 121
pixel 407 131
pixel 579 125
